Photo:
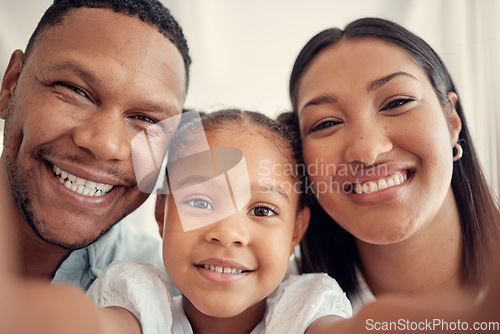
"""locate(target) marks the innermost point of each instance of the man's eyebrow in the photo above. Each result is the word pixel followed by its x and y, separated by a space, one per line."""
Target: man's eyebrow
pixel 377 83
pixel 167 109
pixel 270 187
pixel 73 67
pixel 322 99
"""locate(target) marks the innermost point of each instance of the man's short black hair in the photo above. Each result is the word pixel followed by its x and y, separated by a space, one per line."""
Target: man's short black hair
pixel 151 12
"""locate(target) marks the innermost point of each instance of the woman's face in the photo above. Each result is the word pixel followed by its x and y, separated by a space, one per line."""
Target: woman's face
pixel 377 142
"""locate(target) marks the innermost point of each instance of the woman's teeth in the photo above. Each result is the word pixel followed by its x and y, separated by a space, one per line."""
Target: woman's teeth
pixel 225 270
pixel 373 186
pixel 81 186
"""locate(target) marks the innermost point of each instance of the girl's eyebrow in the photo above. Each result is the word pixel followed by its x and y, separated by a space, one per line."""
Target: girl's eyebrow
pixel 377 83
pixel 270 187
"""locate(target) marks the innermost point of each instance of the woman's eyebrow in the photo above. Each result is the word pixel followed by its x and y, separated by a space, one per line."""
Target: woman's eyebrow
pixel 377 83
pixel 322 99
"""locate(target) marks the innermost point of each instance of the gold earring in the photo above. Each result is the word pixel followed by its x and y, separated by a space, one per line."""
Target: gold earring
pixel 460 152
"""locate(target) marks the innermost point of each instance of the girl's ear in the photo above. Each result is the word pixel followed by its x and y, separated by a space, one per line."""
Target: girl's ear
pixel 10 80
pixel 160 212
pixel 453 118
pixel 301 223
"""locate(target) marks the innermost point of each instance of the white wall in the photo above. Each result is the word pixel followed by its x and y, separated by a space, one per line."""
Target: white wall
pixel 243 52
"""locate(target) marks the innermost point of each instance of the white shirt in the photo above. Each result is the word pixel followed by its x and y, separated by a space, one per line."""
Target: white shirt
pixel 145 291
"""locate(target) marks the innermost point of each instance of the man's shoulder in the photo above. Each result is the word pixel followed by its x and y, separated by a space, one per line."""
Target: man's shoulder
pixel 125 242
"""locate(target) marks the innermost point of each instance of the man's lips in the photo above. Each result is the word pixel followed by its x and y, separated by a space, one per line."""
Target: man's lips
pixel 80 185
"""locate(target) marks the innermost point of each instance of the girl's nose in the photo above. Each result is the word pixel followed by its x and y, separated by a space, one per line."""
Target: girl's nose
pixel 229 232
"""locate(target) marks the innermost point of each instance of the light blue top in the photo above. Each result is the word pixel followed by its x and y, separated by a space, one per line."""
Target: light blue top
pixel 122 242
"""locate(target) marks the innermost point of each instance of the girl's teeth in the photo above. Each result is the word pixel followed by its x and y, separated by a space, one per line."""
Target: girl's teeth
pixel 372 186
pixel 223 270
pixel 79 185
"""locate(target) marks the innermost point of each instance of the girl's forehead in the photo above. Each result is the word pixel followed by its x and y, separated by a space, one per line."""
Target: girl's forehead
pixel 256 142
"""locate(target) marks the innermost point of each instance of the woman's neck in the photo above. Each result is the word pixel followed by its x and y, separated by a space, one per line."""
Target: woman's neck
pixel 428 262
pixel 242 323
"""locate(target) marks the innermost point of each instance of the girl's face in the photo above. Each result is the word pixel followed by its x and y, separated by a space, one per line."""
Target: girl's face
pixel 229 267
pixel 377 142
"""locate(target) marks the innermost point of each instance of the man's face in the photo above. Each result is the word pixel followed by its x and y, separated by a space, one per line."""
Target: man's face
pixel 90 85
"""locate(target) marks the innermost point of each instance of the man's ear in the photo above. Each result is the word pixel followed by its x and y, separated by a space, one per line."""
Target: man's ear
pixel 453 118
pixel 301 223
pixel 160 212
pixel 10 80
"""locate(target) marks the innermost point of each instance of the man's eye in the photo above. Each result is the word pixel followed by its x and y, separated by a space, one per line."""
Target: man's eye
pixel 262 211
pixel 200 204
pixel 75 89
pixel 325 125
pixel 397 103
pixel 145 119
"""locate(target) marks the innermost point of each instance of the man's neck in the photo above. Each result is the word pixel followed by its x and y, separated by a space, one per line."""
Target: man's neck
pixel 427 263
pixel 35 257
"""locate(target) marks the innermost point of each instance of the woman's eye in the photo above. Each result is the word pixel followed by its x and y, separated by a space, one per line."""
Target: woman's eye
pixel 200 204
pixel 325 125
pixel 397 103
pixel 262 211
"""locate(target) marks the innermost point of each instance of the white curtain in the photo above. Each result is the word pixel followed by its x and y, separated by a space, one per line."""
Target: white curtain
pixel 466 34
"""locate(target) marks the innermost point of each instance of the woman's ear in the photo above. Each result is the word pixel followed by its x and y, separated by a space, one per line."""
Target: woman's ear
pixel 453 118
pixel 160 212
pixel 10 80
pixel 301 223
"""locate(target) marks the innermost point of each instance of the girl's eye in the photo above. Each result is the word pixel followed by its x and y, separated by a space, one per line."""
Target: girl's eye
pixel 200 204
pixel 263 211
pixel 325 125
pixel 397 103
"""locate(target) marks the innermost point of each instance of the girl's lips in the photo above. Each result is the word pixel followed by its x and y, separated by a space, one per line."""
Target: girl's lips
pixel 221 271
pixel 221 277
pixel 221 263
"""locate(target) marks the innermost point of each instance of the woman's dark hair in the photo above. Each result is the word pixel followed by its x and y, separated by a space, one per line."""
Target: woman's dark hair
pixel 151 12
pixel 329 248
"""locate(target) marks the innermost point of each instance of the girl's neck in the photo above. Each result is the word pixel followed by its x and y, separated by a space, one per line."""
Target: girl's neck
pixel 242 323
pixel 427 263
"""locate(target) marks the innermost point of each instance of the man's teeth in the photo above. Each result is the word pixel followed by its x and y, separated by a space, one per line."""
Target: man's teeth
pixel 81 186
pixel 225 270
pixel 373 186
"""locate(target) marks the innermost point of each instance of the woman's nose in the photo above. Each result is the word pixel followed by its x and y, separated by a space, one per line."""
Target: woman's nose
pixel 366 143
